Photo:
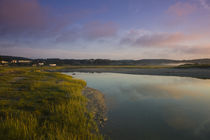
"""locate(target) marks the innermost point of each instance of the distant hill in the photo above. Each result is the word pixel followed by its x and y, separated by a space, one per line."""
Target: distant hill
pixel 10 58
pixel 107 61
pixel 200 61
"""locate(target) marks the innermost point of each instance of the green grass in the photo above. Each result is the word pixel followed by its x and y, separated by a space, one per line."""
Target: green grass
pixel 39 105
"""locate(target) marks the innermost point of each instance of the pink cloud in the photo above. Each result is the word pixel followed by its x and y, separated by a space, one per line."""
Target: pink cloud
pixel 203 49
pixel 26 19
pixel 181 9
pixel 158 39
pixel 22 14
pixel 176 44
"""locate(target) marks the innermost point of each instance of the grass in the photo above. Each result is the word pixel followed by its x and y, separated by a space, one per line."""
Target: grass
pixel 202 66
pixel 40 105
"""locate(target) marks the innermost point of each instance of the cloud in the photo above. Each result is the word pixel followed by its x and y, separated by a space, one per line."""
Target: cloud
pixel 163 44
pixel 152 39
pixel 159 40
pixel 31 19
pixel 205 3
pixel 90 31
pixel 18 15
pixel 198 49
pixel 188 15
pixel 182 9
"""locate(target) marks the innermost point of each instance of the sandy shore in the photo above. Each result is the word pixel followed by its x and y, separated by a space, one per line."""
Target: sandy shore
pixel 183 72
pixel 96 105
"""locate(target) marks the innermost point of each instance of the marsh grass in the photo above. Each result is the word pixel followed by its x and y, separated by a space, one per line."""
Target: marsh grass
pixel 40 105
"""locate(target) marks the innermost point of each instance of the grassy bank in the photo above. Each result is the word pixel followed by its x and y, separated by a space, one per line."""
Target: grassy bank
pixel 37 105
pixel 188 66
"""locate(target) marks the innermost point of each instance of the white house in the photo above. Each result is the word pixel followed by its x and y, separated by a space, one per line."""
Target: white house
pixel 4 62
pixel 41 64
pixel 52 65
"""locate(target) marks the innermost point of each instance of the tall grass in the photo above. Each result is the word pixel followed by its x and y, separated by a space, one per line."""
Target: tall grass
pixel 38 105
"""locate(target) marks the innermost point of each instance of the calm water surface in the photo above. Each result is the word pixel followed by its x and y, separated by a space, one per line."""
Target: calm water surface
pixel 153 107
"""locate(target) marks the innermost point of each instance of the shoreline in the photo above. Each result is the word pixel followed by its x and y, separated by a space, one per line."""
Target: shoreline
pixel 96 105
pixel 200 73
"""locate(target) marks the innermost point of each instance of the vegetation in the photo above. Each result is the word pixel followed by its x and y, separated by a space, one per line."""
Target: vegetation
pixel 40 105
pixel 204 66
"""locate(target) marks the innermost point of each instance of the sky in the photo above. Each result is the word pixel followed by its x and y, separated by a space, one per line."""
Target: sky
pixel 106 29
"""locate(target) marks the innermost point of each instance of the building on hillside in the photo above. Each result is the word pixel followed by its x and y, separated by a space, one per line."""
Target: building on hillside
pixel 4 62
pixel 24 61
pixel 14 61
pixel 41 64
pixel 52 65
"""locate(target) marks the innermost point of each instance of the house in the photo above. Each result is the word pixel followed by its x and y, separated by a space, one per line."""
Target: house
pixel 41 64
pixel 4 62
pixel 52 65
pixel 14 61
pixel 24 61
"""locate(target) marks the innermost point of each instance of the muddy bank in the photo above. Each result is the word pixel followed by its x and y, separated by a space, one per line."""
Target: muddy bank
pixel 189 72
pixel 96 105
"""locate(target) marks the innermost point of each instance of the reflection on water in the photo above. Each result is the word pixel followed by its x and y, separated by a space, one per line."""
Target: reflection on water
pixel 153 107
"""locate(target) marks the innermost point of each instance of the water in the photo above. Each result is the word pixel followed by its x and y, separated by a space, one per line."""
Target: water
pixel 145 107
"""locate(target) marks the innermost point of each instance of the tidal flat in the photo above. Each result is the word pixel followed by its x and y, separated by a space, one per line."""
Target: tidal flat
pixel 182 71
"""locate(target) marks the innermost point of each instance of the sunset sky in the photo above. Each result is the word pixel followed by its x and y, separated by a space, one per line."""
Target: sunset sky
pixel 110 29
